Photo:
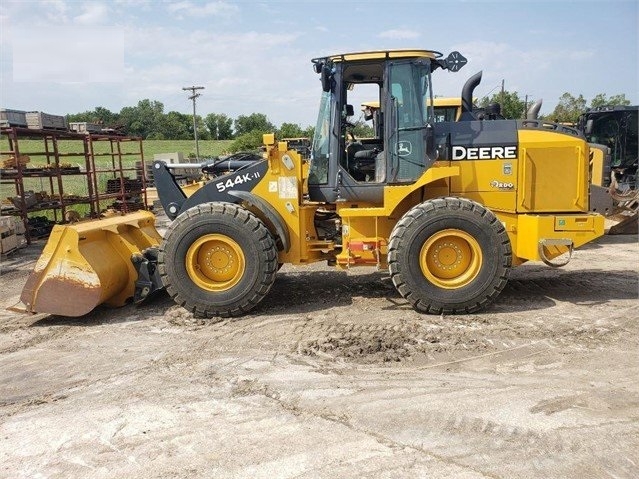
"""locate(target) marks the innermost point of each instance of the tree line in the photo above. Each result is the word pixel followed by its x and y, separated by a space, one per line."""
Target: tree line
pixel 148 120
pixel 568 109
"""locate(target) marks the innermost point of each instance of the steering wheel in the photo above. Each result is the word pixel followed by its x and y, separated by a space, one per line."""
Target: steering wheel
pixel 349 130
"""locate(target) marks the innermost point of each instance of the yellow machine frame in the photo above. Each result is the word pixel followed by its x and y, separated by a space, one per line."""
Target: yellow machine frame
pixel 366 228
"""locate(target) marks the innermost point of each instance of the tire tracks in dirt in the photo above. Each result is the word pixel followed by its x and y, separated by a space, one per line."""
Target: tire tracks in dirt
pixel 53 333
pixel 256 387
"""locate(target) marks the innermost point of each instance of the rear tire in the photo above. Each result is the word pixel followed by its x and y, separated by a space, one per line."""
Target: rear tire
pixel 449 256
pixel 217 259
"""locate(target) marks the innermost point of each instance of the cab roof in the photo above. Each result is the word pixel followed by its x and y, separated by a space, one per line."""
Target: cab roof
pixel 447 101
pixel 437 101
pixel 381 55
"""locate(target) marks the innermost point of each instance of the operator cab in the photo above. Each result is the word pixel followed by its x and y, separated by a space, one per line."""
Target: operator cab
pixel 347 168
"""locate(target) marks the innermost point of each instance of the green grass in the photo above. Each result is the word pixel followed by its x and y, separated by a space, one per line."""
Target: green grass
pixel 74 148
pixel 72 152
pixel 207 148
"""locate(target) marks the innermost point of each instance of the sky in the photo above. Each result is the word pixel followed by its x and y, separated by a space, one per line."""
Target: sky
pixel 68 56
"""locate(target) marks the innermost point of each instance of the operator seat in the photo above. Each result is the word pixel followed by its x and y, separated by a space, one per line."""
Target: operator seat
pixel 370 160
pixel 363 165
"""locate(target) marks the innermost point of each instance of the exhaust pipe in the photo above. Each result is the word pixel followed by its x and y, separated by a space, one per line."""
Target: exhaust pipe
pixel 533 111
pixel 467 96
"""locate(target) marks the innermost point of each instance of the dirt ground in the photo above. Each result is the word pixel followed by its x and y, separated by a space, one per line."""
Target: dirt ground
pixel 333 376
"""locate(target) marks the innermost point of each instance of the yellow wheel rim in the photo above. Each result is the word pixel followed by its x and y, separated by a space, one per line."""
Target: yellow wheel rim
pixel 215 262
pixel 450 259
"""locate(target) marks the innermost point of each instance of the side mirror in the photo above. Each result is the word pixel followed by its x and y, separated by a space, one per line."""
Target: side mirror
pixel 349 110
pixel 455 61
pixel 327 78
pixel 589 125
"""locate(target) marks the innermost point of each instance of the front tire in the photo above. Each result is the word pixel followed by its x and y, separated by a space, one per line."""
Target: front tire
pixel 449 256
pixel 218 259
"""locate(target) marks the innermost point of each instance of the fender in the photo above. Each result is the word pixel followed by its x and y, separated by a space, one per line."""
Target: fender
pixel 269 212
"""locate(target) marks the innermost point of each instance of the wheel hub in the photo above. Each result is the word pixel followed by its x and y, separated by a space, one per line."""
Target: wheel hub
pixel 215 262
pixel 450 258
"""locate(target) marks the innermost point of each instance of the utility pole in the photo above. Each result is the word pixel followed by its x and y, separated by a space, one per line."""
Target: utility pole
pixel 193 97
pixel 502 97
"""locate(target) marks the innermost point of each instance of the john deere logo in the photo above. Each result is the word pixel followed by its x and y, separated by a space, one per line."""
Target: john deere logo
pixel 404 148
pixel 484 152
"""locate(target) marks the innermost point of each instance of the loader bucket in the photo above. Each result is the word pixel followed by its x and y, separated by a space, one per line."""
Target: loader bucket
pixel 625 223
pixel 89 263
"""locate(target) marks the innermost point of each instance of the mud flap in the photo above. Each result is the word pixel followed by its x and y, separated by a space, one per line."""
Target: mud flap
pixel 91 263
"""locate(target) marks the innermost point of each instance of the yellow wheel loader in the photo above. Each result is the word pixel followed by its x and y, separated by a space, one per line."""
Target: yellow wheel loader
pixel 447 207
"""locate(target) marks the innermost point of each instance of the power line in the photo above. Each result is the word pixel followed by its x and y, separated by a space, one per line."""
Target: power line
pixel 193 97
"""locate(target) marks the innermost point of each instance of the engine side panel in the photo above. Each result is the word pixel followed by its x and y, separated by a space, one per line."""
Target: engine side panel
pixel 553 172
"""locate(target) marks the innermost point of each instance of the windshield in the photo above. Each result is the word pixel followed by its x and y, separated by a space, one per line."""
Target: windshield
pixel 618 131
pixel 445 113
pixel 318 173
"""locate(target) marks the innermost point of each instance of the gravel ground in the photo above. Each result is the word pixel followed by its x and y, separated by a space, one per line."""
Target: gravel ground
pixel 334 375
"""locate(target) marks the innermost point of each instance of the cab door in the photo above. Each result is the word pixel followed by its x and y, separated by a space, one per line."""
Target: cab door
pixel 408 126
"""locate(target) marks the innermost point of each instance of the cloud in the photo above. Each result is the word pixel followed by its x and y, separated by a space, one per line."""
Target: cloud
pixel 65 54
pixel 243 71
pixel 204 47
pixel 207 9
pixel 134 3
pixel 399 34
pixel 581 55
pixel 92 14
pixel 55 11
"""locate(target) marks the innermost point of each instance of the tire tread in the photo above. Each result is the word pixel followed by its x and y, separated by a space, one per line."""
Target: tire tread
pixel 266 249
pixel 423 210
